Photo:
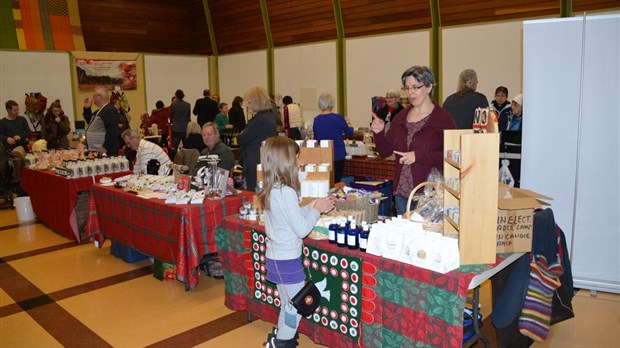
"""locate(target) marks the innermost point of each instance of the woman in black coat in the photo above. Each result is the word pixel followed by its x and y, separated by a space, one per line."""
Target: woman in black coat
pixel 236 116
pixel 260 127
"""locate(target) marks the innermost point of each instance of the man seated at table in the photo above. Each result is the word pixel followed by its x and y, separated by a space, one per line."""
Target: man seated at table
pixel 211 138
pixel 14 132
pixel 146 152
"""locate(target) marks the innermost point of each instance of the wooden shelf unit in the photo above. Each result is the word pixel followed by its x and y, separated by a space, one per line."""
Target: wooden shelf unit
pixel 477 198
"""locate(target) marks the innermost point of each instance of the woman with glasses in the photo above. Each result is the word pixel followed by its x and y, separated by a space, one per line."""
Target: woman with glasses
pixel 415 136
pixel 392 106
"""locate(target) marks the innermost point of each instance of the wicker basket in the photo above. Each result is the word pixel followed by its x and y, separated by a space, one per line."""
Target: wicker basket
pixel 428 226
pixel 362 204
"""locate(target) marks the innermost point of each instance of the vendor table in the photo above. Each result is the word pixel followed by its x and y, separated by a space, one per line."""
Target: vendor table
pixel 375 302
pixel 366 167
pixel 54 197
pixel 177 234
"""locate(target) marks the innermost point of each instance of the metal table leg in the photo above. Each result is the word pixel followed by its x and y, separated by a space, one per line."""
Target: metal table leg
pixel 477 331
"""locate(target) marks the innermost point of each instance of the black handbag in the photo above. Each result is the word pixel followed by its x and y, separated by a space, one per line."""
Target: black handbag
pixel 307 299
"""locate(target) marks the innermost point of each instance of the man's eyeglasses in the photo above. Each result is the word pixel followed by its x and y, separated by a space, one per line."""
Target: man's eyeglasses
pixel 412 88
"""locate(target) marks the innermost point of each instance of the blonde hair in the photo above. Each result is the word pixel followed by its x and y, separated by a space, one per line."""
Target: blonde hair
pixel 279 160
pixel 257 99
pixel 467 80
pixel 192 128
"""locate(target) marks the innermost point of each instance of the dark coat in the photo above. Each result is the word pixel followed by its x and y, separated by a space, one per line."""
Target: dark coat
pixel 236 117
pixel 205 109
pixel 462 106
pixel 260 127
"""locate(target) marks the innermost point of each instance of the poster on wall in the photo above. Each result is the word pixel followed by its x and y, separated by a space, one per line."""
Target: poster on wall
pixel 92 73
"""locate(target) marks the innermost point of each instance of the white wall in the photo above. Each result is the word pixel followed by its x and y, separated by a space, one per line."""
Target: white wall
pixel 304 72
pixel 238 72
pixel 375 64
pixel 23 72
pixel 492 50
pixel 164 74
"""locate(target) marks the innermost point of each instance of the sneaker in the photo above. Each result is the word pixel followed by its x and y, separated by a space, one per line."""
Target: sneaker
pixel 271 340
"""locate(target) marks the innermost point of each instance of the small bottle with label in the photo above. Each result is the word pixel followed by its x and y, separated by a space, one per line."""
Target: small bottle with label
pixel 352 235
pixel 341 235
pixel 364 238
pixel 333 230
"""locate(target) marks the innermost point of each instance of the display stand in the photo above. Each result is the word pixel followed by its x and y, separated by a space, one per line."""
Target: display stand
pixel 319 155
pixel 316 155
pixel 476 195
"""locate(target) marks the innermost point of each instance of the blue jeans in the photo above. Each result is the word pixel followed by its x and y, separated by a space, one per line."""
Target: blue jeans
pixel 401 204
pixel 284 331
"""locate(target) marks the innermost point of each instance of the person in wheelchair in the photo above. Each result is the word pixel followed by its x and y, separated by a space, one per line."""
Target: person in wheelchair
pixel 148 154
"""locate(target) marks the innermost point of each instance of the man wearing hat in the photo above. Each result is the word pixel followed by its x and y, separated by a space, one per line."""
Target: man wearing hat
pixel 514 121
pixel 179 113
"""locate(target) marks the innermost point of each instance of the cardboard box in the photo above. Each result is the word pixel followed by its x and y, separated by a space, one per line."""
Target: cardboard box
pixel 515 218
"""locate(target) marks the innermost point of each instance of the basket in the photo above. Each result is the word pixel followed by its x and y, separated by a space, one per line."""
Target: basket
pixel 428 226
pixel 362 204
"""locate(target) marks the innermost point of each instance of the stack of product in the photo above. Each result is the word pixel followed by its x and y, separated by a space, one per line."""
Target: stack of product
pixel 406 241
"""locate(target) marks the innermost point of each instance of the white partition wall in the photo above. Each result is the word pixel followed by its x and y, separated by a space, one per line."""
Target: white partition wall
pixel 493 50
pixel 239 72
pixel 304 72
pixel 23 72
pixel 164 74
pixel 375 64
pixel 570 137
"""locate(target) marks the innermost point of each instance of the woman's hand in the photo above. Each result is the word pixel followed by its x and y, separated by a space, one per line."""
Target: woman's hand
pixel 348 121
pixel 406 157
pixel 323 205
pixel 377 125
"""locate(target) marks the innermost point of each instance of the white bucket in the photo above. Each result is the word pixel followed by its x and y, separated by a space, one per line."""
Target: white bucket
pixel 23 206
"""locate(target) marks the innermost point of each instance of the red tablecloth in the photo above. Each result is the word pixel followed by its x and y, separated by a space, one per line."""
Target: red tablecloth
pixel 402 305
pixel 177 234
pixel 374 168
pixel 54 196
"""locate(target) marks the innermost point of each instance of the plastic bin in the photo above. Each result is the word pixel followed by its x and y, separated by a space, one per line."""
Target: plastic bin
pixel 385 208
pixel 126 253
pixel 23 206
pixel 348 180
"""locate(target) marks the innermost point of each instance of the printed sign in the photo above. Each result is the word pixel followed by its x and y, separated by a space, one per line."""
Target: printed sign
pixel 92 73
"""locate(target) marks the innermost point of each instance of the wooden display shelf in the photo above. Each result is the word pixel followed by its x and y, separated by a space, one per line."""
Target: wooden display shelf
pixel 452 163
pixel 452 222
pixel 454 193
pixel 477 199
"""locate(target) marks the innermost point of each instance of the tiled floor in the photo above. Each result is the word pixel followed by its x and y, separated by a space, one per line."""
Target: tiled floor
pixel 57 293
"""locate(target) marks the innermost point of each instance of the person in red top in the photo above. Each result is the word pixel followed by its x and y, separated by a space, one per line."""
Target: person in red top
pixel 415 135
pixel 392 106
pixel 159 116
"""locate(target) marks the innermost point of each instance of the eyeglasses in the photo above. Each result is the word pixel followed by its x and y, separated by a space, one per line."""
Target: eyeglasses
pixel 412 88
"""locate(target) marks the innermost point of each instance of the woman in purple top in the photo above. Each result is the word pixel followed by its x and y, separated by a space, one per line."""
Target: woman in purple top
pixel 415 136
pixel 330 126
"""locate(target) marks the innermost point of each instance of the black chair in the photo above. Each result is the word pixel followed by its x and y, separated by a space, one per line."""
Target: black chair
pixel 7 186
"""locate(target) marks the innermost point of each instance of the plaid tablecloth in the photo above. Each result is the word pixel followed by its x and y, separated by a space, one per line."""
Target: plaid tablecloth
pixel 54 197
pixel 177 234
pixel 402 305
pixel 373 168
